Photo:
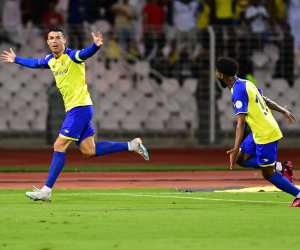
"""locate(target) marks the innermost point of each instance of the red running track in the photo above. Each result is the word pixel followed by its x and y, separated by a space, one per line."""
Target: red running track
pixel 207 157
pixel 195 179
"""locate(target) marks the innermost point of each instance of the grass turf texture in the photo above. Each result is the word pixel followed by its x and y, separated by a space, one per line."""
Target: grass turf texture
pixel 148 220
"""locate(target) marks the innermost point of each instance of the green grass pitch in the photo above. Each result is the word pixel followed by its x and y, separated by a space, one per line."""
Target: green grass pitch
pixel 148 219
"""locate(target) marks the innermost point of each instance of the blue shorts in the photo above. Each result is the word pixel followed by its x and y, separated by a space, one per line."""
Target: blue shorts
pixel 266 154
pixel 77 124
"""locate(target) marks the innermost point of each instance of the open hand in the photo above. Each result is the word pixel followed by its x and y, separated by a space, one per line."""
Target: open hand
pixel 232 157
pixel 98 38
pixel 290 117
pixel 8 56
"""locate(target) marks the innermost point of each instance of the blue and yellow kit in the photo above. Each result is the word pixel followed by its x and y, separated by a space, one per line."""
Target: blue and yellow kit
pixel 246 98
pixel 69 73
pixel 263 141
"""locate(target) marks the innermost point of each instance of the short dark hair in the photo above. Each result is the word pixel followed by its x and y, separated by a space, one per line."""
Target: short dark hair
pixel 56 29
pixel 227 66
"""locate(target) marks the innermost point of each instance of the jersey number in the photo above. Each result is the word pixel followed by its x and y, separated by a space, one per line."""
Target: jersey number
pixel 262 105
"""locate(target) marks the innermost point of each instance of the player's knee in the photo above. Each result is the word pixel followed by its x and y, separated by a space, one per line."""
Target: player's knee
pixel 268 172
pixel 88 152
pixel 59 146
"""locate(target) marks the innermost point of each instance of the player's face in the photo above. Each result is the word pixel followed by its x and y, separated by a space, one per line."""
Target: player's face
pixel 56 41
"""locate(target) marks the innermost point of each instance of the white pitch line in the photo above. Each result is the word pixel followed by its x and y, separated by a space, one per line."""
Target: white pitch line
pixel 172 197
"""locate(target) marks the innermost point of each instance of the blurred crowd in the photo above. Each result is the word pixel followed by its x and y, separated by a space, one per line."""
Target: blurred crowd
pixel 142 28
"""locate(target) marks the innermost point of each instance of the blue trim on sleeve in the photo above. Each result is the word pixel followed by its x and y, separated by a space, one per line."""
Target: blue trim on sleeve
pixel 88 52
pixel 240 97
pixel 79 56
pixel 34 63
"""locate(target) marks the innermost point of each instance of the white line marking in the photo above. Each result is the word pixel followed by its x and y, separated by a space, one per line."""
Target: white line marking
pixel 166 195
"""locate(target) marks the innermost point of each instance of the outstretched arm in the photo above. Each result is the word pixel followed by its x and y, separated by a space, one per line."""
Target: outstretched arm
pixel 85 53
pixel 239 134
pixel 275 106
pixel 10 57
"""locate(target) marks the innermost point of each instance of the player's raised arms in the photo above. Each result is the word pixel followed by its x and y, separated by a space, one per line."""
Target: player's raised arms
pixel 68 68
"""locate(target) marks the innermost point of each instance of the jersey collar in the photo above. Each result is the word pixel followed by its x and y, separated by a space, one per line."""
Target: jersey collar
pixel 236 79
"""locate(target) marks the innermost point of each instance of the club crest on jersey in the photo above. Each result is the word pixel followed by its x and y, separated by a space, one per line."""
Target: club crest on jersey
pixel 238 104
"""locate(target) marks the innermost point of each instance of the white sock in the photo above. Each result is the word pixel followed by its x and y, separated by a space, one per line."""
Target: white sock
pixel 278 166
pixel 46 189
pixel 129 146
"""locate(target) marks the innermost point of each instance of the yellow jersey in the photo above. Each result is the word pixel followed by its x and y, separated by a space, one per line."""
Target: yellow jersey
pixel 70 79
pixel 69 73
pixel 247 99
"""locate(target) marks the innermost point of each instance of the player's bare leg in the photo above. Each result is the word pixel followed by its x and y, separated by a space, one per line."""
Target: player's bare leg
pixel 87 147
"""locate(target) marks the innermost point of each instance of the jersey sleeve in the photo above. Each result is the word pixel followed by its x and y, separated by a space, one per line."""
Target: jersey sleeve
pixel 240 99
pixel 80 56
pixel 34 63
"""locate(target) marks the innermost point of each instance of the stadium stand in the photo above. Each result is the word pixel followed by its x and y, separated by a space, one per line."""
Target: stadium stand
pixel 161 89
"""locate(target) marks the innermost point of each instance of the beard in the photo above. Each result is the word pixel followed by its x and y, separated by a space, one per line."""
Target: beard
pixel 222 83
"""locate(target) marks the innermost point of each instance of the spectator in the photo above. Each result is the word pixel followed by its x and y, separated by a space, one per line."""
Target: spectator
pixel 154 17
pixel 123 23
pixel 75 24
pixel 95 10
pixel 153 20
pixel 278 12
pixel 294 21
pixel 203 16
pixel 33 10
pixel 184 18
pixel 26 11
pixel 12 22
pixel 240 7
pixel 92 11
pixel 97 15
pixel 51 18
pixel 133 54
pixel 113 50
pixel 257 17
pixel 106 9
pixel 62 8
pixel 222 12
pixel 138 6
